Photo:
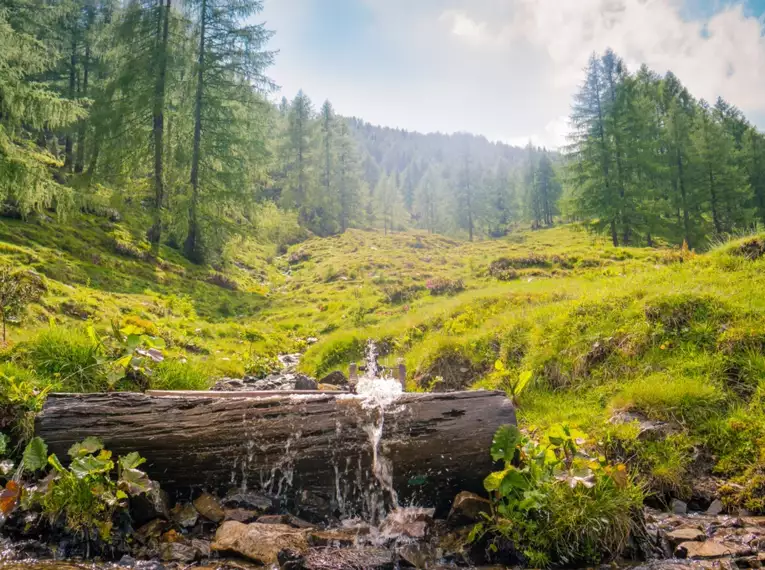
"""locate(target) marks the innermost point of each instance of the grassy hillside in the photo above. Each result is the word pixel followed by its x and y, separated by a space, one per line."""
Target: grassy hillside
pixel 599 332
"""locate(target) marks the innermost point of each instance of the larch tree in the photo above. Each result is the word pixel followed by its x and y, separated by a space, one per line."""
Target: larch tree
pixel 230 72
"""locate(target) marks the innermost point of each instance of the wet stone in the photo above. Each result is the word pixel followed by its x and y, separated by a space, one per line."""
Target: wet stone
pixel 184 515
pixel 467 508
pixel 248 500
pixel 259 542
pixel 681 535
pixel 348 559
pixel 704 550
pixel 715 508
pixel 678 507
pixel 209 507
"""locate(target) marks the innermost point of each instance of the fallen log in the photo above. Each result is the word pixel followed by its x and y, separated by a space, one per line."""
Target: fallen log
pixel 336 451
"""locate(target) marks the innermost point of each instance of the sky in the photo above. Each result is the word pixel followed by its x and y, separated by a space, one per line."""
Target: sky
pixel 505 69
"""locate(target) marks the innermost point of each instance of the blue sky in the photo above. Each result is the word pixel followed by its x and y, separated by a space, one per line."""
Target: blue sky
pixel 505 69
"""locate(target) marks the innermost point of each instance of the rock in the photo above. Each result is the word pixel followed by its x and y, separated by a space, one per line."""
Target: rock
pixel 151 531
pixel 273 519
pixel 704 491
pixel 681 535
pixel 240 515
pixel 336 378
pixel 259 542
pixel 467 508
pixel 237 499
pixel 349 559
pixel 703 550
pixel 314 506
pixel 419 555
pixel 305 383
pixel 716 507
pixel 678 507
pixel 648 430
pixel 209 507
pixel 151 505
pixel 229 385
pixel 289 361
pixel 184 515
pixel 177 552
pixel 748 562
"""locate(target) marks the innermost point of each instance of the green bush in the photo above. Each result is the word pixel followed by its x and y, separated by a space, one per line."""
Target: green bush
pixel 70 357
pixel 554 503
pixel 177 375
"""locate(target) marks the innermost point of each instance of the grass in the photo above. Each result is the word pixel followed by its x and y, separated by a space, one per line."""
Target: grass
pixel 667 333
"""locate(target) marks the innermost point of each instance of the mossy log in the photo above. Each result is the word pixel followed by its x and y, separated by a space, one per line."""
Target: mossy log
pixel 316 448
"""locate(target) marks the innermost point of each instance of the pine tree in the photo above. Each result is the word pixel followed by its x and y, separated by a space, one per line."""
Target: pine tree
pixel 28 107
pixel 298 157
pixel 231 63
pixel 349 183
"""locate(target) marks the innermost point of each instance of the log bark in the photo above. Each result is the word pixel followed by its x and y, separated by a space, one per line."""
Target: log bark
pixel 304 448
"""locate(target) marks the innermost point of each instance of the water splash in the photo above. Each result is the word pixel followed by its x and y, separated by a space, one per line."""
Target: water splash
pixel 378 394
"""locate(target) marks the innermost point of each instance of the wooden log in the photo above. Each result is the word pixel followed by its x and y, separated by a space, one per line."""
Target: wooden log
pixel 298 447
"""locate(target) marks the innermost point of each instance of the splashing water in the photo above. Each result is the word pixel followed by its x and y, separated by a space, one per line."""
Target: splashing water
pixel 378 394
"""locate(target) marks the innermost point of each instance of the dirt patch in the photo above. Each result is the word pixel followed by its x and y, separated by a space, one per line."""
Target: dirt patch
pixel 751 249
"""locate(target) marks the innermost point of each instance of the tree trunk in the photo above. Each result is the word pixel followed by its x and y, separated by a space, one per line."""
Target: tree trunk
pixel 683 194
pixel 69 143
pixel 155 232
pixel 287 445
pixel 713 196
pixel 191 247
pixel 79 164
pixel 614 235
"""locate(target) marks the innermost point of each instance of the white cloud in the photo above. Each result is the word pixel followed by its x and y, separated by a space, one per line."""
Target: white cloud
pixel 508 68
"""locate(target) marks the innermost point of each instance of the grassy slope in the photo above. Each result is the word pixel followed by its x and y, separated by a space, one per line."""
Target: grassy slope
pixel 674 337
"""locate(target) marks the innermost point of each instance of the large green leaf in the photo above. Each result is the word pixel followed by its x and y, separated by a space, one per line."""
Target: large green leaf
pixel 131 460
pixel 88 446
pixel 505 441
pixel 513 482
pixel 134 481
pixel 493 480
pixel 81 467
pixel 36 454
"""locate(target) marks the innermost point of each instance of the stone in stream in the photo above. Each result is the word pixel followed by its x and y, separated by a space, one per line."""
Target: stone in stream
pixel 336 378
pixel 209 507
pixel 184 551
pixel 706 550
pixel 467 508
pixel 184 515
pixel 259 542
pixel 407 523
pixel 151 505
pixel 678 507
pixel 716 507
pixel 681 535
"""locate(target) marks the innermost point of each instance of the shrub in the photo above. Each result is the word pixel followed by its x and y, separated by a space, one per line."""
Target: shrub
pixel 444 286
pixel 71 357
pixel 554 503
pixel 88 494
pixel 178 375
pixel 223 281
pixel 503 269
pixel 261 366
pixel 397 294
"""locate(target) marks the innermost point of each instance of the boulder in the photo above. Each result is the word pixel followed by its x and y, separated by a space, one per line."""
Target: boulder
pixel 678 507
pixel 419 555
pixel 259 542
pixel 335 378
pixel 467 508
pixel 693 550
pixel 177 551
pixel 681 535
pixel 209 507
pixel 184 515
pixel 152 530
pixel 716 507
pixel 151 505
pixel 333 538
